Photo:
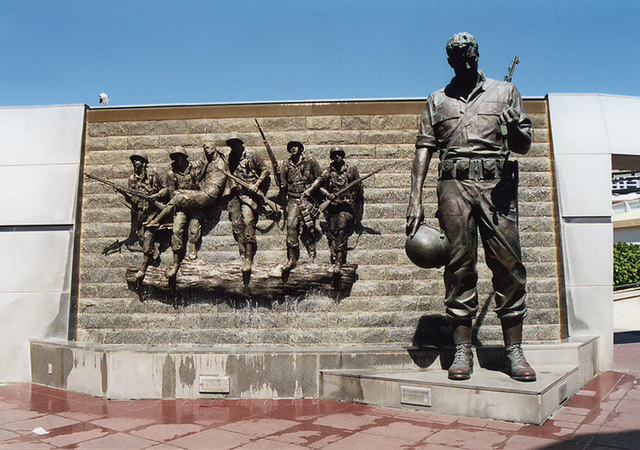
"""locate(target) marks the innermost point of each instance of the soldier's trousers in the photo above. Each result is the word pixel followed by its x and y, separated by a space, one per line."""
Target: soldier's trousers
pixel 185 222
pixel 340 221
pixel 146 236
pixel 466 207
pixel 295 222
pixel 243 219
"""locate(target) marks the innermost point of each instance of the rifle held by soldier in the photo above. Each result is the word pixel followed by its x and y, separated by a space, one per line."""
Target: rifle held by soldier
pixel 512 67
pixel 272 205
pixel 272 158
pixel 337 194
pixel 126 191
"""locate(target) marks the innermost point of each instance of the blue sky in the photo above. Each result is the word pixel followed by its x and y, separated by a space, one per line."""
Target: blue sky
pixel 188 51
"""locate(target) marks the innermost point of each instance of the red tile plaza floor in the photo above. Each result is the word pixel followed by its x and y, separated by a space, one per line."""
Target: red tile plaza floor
pixel 603 415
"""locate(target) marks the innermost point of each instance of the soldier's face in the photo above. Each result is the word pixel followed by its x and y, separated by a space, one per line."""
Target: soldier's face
pixel 236 146
pixel 464 62
pixel 138 164
pixel 178 161
pixel 295 151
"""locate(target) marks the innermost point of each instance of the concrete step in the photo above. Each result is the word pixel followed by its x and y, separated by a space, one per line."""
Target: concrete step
pixel 489 394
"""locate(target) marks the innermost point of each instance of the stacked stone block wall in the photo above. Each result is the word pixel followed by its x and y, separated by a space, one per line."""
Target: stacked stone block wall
pixel 391 295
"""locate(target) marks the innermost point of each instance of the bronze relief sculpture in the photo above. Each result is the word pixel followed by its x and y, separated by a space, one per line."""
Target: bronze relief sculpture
pixel 169 209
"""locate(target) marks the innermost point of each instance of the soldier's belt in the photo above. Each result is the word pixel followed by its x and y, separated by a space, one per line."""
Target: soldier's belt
pixel 470 169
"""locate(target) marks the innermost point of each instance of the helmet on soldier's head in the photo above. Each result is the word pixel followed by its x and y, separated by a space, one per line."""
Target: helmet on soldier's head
pixel 139 155
pixel 334 151
pixel 234 137
pixel 178 151
pixel 428 248
pixel 292 144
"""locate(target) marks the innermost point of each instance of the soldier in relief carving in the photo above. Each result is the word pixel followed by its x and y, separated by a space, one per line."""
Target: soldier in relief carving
pixel 474 123
pixel 144 180
pixel 298 174
pixel 192 204
pixel 340 214
pixel 182 181
pixel 248 167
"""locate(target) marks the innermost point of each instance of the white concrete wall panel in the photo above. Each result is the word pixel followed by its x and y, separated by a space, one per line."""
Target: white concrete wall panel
pixel 583 240
pixel 586 130
pixel 590 313
pixel 578 125
pixel 584 191
pixel 622 116
pixel 40 195
pixel 38 262
pixel 40 151
pixel 41 135
pixel 28 315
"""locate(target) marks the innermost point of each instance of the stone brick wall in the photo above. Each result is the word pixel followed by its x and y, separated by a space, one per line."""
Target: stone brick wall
pixel 392 301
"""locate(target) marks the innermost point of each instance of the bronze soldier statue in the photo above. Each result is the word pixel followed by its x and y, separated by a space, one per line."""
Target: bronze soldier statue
pixel 298 174
pixel 144 180
pixel 474 123
pixel 193 204
pixel 248 167
pixel 341 212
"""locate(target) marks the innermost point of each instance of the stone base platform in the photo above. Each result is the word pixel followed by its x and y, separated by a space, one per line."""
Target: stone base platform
pixel 488 395
pixel 409 378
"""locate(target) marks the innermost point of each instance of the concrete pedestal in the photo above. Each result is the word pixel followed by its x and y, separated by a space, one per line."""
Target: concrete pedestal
pixel 383 375
pixel 487 395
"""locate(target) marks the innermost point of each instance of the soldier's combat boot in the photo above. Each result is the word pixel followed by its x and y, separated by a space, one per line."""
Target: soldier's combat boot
pixel 173 271
pixel 249 253
pixel 293 254
pixel 462 366
pixel 312 254
pixel 139 275
pixel 517 365
pixel 192 252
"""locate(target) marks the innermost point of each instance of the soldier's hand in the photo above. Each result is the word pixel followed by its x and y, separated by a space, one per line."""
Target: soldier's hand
pixel 509 117
pixel 415 216
pixel 254 188
pixel 307 193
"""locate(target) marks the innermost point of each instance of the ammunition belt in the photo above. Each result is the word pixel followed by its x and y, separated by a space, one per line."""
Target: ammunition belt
pixel 471 169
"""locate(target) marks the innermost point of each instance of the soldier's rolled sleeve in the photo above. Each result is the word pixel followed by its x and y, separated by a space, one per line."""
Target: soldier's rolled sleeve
pixel 426 136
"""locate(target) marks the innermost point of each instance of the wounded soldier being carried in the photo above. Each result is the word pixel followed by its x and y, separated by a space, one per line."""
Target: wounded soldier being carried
pixel 196 186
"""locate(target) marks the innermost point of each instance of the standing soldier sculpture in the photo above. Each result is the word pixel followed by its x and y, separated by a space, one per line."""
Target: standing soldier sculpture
pixel 341 212
pixel 193 204
pixel 146 181
pixel 474 123
pixel 298 174
pixel 249 174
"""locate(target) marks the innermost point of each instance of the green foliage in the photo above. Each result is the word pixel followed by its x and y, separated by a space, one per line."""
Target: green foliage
pixel 626 264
